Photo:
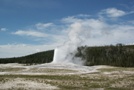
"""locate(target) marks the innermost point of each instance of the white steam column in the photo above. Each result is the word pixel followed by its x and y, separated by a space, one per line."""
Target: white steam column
pixel 59 56
pixel 66 52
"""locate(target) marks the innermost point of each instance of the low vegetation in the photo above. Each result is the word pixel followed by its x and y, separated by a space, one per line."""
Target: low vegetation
pixel 102 80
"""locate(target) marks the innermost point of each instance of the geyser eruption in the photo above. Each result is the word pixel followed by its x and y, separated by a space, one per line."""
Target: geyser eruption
pixel 66 52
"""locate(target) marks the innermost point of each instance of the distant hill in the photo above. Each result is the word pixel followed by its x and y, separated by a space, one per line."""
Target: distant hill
pixel 119 55
pixel 37 58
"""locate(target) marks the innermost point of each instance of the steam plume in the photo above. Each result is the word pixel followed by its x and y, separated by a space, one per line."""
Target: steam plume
pixel 66 52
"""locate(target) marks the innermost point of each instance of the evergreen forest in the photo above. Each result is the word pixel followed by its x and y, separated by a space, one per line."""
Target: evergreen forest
pixel 113 55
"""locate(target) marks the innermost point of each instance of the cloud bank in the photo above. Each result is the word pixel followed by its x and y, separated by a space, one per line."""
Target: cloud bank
pixel 93 31
pixel 113 12
pixel 3 29
pixel 30 33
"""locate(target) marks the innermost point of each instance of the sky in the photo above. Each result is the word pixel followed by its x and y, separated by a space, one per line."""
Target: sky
pixel 30 26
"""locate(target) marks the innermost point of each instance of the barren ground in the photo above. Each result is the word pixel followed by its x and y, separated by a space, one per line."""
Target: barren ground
pixel 65 77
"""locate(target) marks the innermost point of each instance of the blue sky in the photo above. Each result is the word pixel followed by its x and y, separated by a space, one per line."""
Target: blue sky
pixel 29 26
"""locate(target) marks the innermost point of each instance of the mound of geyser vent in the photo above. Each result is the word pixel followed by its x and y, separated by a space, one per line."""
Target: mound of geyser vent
pixel 66 53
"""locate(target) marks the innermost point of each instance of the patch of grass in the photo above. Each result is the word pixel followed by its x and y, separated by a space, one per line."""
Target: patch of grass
pixel 111 69
pixel 3 80
pixel 118 89
pixel 94 81
pixel 10 69
pixel 49 70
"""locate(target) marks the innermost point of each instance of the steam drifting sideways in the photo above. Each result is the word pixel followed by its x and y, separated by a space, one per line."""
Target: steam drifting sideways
pixel 90 32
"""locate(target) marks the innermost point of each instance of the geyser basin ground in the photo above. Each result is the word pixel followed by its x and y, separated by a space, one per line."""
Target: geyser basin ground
pixel 43 69
pixel 65 77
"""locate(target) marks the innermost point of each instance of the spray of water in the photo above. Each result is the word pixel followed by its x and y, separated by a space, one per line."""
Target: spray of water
pixel 66 52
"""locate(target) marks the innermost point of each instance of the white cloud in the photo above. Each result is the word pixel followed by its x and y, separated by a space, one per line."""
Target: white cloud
pixel 113 12
pixel 92 31
pixel 45 32
pixel 16 50
pixel 30 33
pixel 83 16
pixel 3 29
pixel 70 19
pixel 43 25
pixel 99 32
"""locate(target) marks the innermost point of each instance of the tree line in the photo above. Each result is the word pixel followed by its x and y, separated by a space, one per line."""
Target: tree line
pixel 118 55
pixel 37 58
pixel 114 55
